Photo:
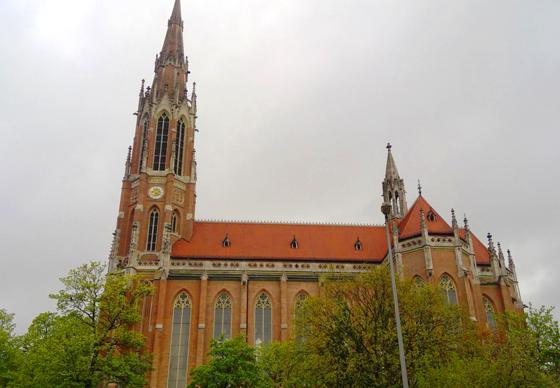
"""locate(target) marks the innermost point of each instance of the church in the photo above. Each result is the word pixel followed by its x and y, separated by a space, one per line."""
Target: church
pixel 214 278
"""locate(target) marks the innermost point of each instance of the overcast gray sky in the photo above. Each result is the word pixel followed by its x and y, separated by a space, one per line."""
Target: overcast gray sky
pixel 297 100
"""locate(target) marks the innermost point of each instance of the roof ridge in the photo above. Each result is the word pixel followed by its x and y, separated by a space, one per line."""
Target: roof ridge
pixel 271 222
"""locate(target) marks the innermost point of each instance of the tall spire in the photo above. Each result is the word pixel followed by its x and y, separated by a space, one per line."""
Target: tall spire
pixel 391 171
pixel 176 14
pixel 393 187
pixel 171 67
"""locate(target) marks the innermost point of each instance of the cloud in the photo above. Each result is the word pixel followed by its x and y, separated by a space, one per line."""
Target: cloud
pixel 297 101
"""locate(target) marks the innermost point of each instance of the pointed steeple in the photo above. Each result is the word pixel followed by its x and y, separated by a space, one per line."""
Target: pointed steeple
pixel 176 14
pixel 171 68
pixel 393 187
pixel 391 171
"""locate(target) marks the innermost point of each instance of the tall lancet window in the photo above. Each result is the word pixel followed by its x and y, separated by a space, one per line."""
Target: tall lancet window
pixel 179 148
pixel 160 151
pixel 180 333
pixel 222 316
pixel 263 319
pixel 152 230
pixel 142 142
pixel 448 288
pixel 490 313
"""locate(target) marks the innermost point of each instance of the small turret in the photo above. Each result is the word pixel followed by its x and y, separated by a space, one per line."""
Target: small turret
pixel 393 188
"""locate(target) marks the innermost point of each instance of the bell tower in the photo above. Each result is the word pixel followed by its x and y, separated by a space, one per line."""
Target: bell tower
pixel 393 188
pixel 157 201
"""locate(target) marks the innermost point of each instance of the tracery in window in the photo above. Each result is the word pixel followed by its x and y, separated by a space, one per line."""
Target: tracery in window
pixel 152 230
pixel 299 303
pixel 222 316
pixel 180 335
pixel 448 288
pixel 179 148
pixel 160 152
pixel 418 280
pixel 263 319
pixel 490 313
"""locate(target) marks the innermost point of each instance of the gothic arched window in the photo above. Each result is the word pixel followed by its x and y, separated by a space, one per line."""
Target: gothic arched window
pixel 222 316
pixel 448 287
pixel 142 142
pixel 418 281
pixel 175 222
pixel 180 333
pixel 152 230
pixel 179 148
pixel 300 299
pixel 490 312
pixel 160 152
pixel 263 319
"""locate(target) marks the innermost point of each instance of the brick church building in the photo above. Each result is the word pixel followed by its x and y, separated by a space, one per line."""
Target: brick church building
pixel 228 278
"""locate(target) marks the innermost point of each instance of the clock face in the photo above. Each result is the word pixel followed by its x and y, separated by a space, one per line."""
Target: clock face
pixel 155 192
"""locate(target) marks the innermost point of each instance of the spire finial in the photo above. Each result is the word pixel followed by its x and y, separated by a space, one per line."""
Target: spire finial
pixel 466 222
pixel 500 252
pixel 490 243
pixel 454 219
pixel 419 188
pixel 389 146
pixel 510 260
pixel 128 162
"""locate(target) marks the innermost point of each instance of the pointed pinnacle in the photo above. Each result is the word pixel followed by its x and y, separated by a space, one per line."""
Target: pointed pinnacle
pixel 490 242
pixel 510 259
pixel 419 188
pixel 466 223
pixel 391 171
pixel 176 14
pixel 454 219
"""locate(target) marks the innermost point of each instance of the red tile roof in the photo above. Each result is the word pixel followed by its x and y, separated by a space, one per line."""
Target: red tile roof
pixel 480 250
pixel 272 241
pixel 410 224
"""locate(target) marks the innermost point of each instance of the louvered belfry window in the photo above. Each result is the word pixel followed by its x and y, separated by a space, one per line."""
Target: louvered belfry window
pixel 179 148
pixel 160 151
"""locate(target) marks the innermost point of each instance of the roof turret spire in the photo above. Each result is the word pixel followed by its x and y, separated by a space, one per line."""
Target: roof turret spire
pixel 393 187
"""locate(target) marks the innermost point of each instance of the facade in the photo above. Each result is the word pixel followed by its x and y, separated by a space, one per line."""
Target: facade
pixel 228 278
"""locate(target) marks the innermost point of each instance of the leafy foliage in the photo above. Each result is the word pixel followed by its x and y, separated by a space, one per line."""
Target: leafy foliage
pixel 89 340
pixel 233 364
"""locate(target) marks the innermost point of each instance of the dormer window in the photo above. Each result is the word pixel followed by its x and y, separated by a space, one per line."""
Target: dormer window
pixel 226 243
pixel 358 245
pixel 294 244
pixel 431 216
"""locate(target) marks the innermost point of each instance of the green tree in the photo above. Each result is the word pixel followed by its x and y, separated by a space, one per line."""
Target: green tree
pixel 507 357
pixel 286 364
pixel 232 363
pixel 9 351
pixel 350 330
pixel 90 340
